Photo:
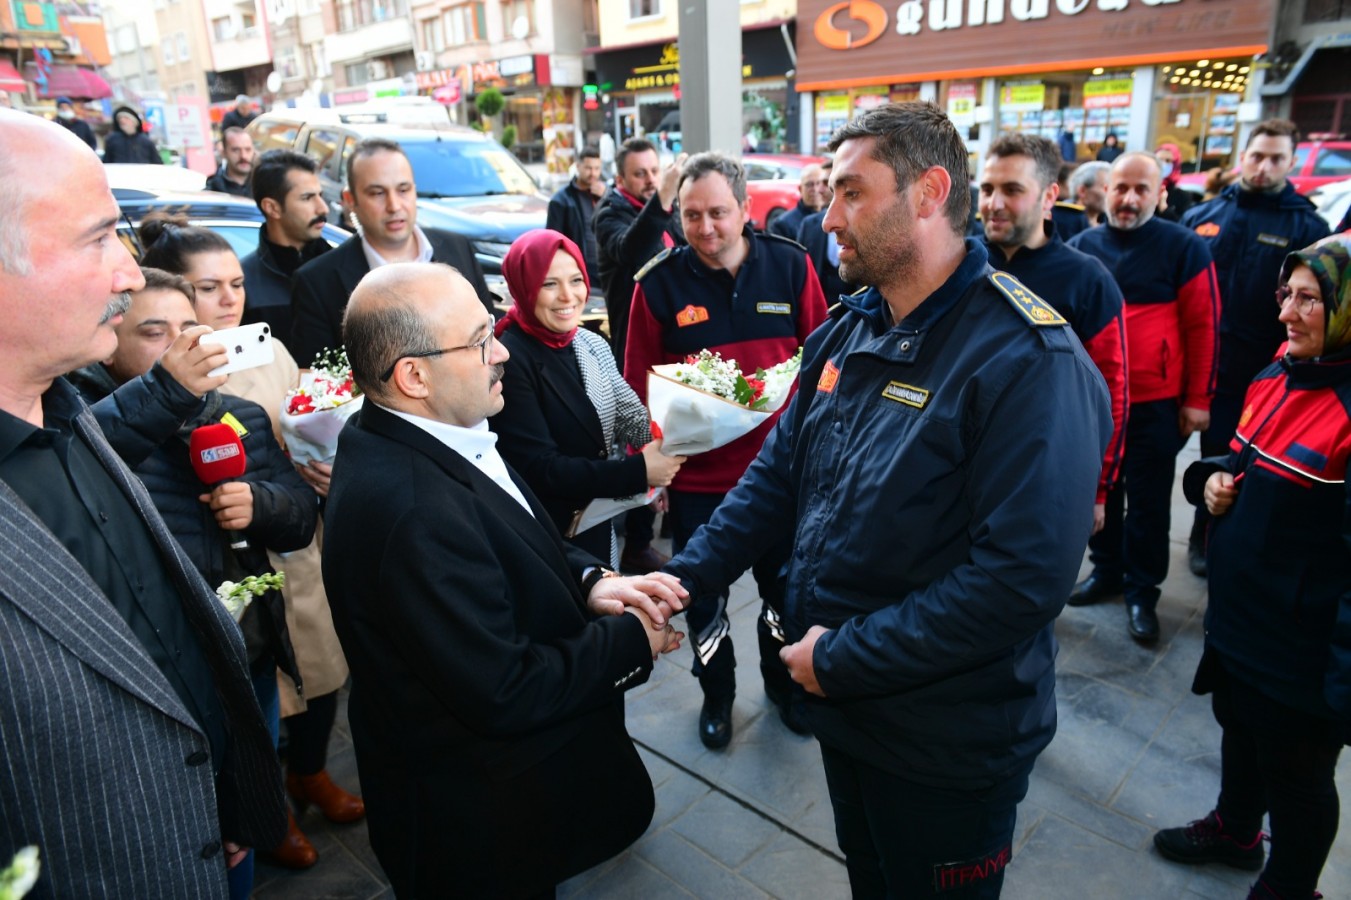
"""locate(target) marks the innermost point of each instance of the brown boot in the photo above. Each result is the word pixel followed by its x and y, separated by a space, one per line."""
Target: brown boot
pixel 336 804
pixel 295 851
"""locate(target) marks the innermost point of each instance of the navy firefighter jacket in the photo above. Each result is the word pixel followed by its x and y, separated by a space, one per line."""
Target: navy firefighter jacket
pixel 939 475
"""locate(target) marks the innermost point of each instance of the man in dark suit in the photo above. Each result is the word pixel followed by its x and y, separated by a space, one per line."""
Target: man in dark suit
pixel 489 659
pixel 134 753
pixel 383 198
pixel 823 247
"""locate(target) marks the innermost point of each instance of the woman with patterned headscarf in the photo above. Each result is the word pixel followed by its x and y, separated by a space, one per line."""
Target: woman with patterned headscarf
pixel 564 404
pixel 1277 659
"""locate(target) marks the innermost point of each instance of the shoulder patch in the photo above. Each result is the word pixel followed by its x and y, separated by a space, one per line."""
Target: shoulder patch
pixel 837 310
pixel 1065 204
pixel 1035 310
pixel 771 236
pixel 653 263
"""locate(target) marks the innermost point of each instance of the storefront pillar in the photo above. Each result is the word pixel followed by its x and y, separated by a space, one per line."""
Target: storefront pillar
pixel 1138 136
pixel 710 109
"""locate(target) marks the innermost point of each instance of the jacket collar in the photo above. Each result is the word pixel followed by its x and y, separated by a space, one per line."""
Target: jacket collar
pixel 872 306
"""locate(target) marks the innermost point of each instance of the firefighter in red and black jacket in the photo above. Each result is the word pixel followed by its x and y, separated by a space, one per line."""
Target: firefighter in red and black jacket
pixel 1277 660
pixel 1172 317
pixel 753 298
pixel 1017 190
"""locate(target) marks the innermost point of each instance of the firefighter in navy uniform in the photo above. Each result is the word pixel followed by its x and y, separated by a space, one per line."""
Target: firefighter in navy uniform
pixel 753 298
pixel 1017 185
pixel 1250 227
pixel 935 534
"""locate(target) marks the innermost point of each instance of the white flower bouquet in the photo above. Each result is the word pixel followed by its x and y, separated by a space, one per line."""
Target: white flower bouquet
pixel 707 402
pixel 314 414
pixel 237 595
pixel 22 874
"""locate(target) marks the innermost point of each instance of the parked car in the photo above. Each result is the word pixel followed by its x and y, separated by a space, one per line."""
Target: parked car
pixel 467 182
pixel 1333 201
pixel 772 183
pixel 234 218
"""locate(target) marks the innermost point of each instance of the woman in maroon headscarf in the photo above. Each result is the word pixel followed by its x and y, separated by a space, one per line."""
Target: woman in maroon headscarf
pixel 567 413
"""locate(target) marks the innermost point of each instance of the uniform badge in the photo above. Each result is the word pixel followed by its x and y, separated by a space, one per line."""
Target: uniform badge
pixel 1207 229
pixel 780 309
pixel 1273 240
pixel 906 393
pixel 1032 308
pixel 238 426
pixel 829 375
pixel 691 315
pixel 1247 415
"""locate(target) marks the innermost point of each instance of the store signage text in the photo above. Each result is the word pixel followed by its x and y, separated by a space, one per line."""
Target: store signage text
pixel 852 24
pixel 666 73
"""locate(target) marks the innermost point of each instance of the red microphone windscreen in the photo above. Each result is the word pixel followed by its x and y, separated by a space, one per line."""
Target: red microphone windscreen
pixel 217 453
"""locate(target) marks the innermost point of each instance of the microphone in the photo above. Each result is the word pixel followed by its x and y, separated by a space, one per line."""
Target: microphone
pixel 217 456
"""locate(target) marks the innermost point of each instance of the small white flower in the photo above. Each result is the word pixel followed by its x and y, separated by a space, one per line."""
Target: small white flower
pixel 21 875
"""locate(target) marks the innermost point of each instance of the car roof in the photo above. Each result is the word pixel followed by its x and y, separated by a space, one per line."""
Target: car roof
pixel 202 204
pixel 388 123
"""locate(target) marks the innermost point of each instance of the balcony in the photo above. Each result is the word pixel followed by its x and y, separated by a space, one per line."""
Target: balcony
pixel 370 41
pixel 240 49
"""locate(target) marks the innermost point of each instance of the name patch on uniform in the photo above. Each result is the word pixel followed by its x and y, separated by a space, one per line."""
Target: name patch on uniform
pixel 1273 240
pixel 691 315
pixel 906 393
pixel 1036 310
pixel 1207 229
pixel 957 875
pixel 781 309
pixel 829 375
pixel 238 426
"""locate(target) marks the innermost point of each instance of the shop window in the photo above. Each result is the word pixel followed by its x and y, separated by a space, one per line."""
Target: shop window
pixel 644 9
pixel 1196 107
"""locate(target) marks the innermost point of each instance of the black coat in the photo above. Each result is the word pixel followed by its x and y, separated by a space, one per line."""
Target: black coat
pixel 568 215
pixel 267 288
pixel 550 433
pixel 119 147
pixel 626 238
pixel 321 288
pixel 146 421
pixel 487 704
pixel 80 128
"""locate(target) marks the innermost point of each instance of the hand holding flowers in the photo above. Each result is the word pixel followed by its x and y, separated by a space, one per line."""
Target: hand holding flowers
pixel 238 595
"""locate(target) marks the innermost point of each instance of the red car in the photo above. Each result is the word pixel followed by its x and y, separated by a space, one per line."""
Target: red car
pixel 772 183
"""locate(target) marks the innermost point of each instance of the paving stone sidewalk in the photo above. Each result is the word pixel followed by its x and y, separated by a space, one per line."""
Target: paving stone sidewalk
pixel 1135 751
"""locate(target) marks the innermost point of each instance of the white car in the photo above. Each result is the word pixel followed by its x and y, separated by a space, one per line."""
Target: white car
pixel 1333 200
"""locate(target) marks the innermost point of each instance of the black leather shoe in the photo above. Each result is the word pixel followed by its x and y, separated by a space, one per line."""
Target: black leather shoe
pixel 715 722
pixel 1094 589
pixel 1196 560
pixel 641 562
pixel 1143 622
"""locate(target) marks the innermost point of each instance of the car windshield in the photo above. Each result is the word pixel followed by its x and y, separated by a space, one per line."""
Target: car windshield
pixel 466 169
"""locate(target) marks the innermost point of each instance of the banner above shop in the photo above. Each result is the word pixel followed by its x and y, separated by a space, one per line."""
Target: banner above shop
pixel 860 42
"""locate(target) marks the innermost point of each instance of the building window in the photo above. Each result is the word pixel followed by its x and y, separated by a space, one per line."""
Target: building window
pixel 513 10
pixel 1326 10
pixel 644 9
pixel 346 15
pixel 222 28
pixel 289 62
pixel 465 24
pixel 166 48
pixel 433 36
pixel 357 74
pixel 318 61
pixel 184 51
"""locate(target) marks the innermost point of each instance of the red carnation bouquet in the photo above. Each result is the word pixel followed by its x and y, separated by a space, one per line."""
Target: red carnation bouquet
pixel 314 414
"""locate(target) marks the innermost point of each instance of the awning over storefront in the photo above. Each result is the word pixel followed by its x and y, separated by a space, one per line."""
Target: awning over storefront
pixel 70 81
pixel 10 79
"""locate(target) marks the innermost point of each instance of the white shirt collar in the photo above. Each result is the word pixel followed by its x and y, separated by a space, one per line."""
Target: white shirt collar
pixel 476 444
pixel 375 260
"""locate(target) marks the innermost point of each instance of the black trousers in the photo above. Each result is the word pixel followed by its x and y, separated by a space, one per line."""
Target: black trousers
pixel 1133 544
pixel 1279 761
pixel 688 511
pixel 904 840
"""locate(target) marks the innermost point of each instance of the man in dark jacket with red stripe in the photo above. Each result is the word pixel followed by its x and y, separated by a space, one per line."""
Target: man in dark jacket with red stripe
pixel 753 298
pixel 1017 189
pixel 1250 228
pixel 1172 314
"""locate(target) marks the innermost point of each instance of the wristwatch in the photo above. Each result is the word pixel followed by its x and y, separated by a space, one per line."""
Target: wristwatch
pixel 592 576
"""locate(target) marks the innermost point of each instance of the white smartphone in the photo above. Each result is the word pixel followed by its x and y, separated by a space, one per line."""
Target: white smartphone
pixel 249 346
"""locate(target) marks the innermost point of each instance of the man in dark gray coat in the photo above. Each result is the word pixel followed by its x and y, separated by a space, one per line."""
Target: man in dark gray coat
pixel 134 755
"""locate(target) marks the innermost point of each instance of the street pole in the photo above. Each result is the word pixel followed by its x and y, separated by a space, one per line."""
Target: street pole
pixel 710 77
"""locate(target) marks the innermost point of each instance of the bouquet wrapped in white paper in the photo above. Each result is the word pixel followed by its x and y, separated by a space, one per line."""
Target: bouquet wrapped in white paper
pixel 706 402
pixel 314 413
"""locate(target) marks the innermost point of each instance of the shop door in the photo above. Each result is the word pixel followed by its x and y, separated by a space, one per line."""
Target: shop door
pixel 626 123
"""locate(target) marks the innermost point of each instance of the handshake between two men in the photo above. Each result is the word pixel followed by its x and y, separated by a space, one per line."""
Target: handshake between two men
pixel 653 598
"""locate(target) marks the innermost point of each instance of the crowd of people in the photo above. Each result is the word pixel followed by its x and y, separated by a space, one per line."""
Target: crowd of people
pixel 976 406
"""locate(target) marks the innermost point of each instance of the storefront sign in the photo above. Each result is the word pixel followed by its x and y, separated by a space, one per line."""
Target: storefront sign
pixel 859 42
pixel 1107 92
pixel 657 66
pixel 516 65
pixel 449 93
pixel 833 105
pixel 962 104
pixel 1019 96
